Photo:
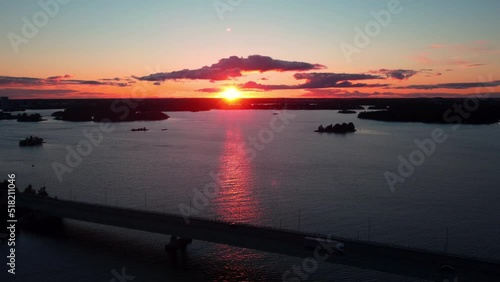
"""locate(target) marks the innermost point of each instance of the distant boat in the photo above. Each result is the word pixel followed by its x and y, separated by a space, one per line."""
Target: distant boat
pixel 165 129
pixel 275 114
pixel 31 141
pixel 139 129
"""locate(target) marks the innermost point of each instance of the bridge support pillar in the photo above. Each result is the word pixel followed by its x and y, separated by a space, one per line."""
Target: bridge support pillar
pixel 177 243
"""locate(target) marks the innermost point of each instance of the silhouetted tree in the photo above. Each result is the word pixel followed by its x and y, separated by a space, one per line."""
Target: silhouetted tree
pixel 29 190
pixel 42 192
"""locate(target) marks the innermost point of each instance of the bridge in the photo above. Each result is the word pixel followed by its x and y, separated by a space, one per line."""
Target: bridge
pixel 433 266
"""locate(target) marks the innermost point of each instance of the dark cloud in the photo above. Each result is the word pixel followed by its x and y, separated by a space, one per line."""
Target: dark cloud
pixel 459 85
pixel 19 81
pixel 233 67
pixel 402 74
pixel 54 80
pixel 327 80
pixel 59 77
pixel 111 79
pixel 319 80
pixel 464 64
pixel 209 90
pixel 475 65
pixel 252 85
pixel 342 93
pixel 429 72
pixel 21 93
pixel 396 74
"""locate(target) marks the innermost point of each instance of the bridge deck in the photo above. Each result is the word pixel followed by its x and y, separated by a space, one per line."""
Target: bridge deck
pixel 368 255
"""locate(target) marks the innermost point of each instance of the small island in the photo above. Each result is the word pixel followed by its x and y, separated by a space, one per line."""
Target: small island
pixel 337 128
pixel 21 117
pixel 31 141
pixel 29 118
pixel 7 116
pixel 58 115
pixel 347 112
pixel 84 114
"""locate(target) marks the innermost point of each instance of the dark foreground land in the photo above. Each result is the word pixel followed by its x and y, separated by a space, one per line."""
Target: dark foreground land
pixel 429 110
pixel 453 111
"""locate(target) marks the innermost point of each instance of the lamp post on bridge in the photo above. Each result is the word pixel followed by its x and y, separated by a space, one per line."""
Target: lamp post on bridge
pixel 369 228
pixel 446 242
pixel 299 219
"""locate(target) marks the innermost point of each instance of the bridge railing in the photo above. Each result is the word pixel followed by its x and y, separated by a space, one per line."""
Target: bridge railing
pixel 191 217
pixel 270 228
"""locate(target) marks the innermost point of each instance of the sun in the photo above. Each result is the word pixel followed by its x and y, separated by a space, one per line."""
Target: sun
pixel 231 94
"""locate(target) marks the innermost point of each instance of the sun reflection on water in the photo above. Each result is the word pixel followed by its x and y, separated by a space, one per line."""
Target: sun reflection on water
pixel 236 202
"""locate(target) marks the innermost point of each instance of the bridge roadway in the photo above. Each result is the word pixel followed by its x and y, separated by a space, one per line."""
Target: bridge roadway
pixel 362 254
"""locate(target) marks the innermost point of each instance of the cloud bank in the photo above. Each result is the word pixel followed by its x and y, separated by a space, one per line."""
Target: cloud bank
pixel 459 85
pixel 10 81
pixel 233 67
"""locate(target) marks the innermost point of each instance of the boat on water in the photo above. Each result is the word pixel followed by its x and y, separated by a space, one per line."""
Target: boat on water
pixel 139 129
pixel 337 128
pixel 31 141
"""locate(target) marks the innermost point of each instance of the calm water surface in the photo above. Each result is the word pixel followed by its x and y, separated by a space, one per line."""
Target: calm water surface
pixel 335 182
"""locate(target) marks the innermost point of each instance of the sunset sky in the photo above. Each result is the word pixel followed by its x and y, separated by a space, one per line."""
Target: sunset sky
pixel 278 48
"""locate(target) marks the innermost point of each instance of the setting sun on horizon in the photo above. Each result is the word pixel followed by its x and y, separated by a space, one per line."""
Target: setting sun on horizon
pixel 231 94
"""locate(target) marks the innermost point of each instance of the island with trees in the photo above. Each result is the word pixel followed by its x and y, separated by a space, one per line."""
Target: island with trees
pixel 31 141
pixel 29 118
pixel 103 114
pixel 337 128
pixel 21 117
